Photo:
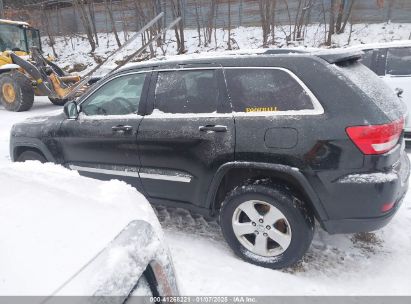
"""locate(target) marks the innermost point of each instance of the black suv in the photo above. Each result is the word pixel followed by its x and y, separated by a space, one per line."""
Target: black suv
pixel 267 142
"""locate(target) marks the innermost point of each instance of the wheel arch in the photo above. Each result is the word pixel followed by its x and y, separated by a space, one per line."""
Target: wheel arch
pixel 18 148
pixel 233 174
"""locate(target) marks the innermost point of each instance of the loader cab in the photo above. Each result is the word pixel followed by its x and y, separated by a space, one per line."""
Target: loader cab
pixel 18 36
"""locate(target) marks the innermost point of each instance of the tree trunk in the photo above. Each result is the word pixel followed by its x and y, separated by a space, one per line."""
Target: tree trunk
pixel 338 23
pixel 331 25
pixel 347 16
pixel 93 19
pixel 79 5
pixel 229 26
pixel 109 7
pixel 198 23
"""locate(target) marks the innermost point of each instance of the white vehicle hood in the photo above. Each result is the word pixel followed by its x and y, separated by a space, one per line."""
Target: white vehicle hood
pixel 53 222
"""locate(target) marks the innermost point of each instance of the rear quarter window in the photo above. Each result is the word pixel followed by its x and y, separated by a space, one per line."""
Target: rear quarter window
pixel 374 88
pixel 266 90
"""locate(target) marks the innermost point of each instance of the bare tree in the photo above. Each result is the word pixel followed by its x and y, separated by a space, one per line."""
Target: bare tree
pixel 109 8
pixel 93 19
pixel 347 16
pixel 46 25
pixel 197 12
pixel 229 25
pixel 265 8
pixel 81 9
pixel 210 21
pixel 179 28
pixel 331 25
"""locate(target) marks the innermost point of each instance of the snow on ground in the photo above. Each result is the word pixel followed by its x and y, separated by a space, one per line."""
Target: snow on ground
pixel 363 264
pixel 71 50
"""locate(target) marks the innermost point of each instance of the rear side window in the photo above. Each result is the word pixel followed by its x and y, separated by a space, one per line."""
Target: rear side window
pixel 266 90
pixel 187 92
pixel 399 61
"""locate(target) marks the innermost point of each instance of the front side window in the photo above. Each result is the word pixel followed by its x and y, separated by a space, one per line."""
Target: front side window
pixel 265 90
pixel 399 61
pixel 193 91
pixel 119 96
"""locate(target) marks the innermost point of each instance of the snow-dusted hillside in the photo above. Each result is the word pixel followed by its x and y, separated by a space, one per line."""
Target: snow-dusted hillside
pixel 76 50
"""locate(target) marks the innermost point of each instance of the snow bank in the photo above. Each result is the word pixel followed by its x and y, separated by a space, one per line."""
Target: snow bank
pixel 53 221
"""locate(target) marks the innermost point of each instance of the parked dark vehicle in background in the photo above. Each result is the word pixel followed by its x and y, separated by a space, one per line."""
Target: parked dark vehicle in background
pixel 269 143
pixel 392 62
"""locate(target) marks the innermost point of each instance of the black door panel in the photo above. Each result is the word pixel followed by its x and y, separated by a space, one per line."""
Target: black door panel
pixel 181 151
pixel 102 141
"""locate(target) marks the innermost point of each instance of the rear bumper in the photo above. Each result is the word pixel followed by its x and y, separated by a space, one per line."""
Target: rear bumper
pixel 364 200
pixel 361 224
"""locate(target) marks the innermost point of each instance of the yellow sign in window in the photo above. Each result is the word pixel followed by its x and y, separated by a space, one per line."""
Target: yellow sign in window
pixel 261 109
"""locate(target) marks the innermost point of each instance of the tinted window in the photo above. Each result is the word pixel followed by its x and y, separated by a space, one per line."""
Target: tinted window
pixel 399 61
pixel 373 87
pixel 119 96
pixel 187 92
pixel 262 90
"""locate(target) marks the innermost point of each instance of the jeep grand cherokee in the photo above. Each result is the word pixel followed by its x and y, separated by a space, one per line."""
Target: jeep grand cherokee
pixel 267 142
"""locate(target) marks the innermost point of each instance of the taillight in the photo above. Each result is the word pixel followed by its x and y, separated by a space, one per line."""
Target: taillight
pixel 387 207
pixel 376 139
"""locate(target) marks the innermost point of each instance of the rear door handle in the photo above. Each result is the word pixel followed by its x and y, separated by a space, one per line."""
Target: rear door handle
pixel 121 128
pixel 213 128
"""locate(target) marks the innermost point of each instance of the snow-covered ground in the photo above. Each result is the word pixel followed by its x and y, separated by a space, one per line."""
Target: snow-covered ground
pixel 54 221
pixel 75 50
pixel 367 264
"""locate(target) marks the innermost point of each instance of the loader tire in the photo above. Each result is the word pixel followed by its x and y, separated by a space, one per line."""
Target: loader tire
pixel 16 92
pixel 58 101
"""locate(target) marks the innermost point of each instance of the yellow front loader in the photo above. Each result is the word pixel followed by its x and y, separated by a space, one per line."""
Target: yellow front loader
pixel 25 73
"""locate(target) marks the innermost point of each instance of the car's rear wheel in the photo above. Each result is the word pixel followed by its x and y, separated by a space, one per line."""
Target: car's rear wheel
pixel 267 225
pixel 31 155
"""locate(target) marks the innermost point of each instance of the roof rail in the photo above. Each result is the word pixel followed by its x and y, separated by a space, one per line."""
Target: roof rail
pixel 284 51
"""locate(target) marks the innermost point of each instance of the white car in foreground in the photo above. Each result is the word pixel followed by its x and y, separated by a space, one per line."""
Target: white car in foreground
pixel 63 234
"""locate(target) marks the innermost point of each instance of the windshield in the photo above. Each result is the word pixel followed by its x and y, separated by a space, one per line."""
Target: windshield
pixel 12 38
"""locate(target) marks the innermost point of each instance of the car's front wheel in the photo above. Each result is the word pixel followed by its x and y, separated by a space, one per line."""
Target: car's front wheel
pixel 267 225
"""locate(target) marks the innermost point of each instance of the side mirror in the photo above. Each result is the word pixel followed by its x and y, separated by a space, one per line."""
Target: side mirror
pixel 71 110
pixel 399 92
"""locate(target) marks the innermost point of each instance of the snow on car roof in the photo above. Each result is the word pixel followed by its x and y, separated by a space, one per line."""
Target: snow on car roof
pixel 53 221
pixel 216 55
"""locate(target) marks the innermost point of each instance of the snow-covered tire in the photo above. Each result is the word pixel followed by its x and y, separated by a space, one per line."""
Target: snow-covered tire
pixel 273 212
pixel 31 155
pixel 16 91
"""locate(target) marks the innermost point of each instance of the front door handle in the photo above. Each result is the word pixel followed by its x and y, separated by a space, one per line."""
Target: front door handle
pixel 121 128
pixel 213 128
